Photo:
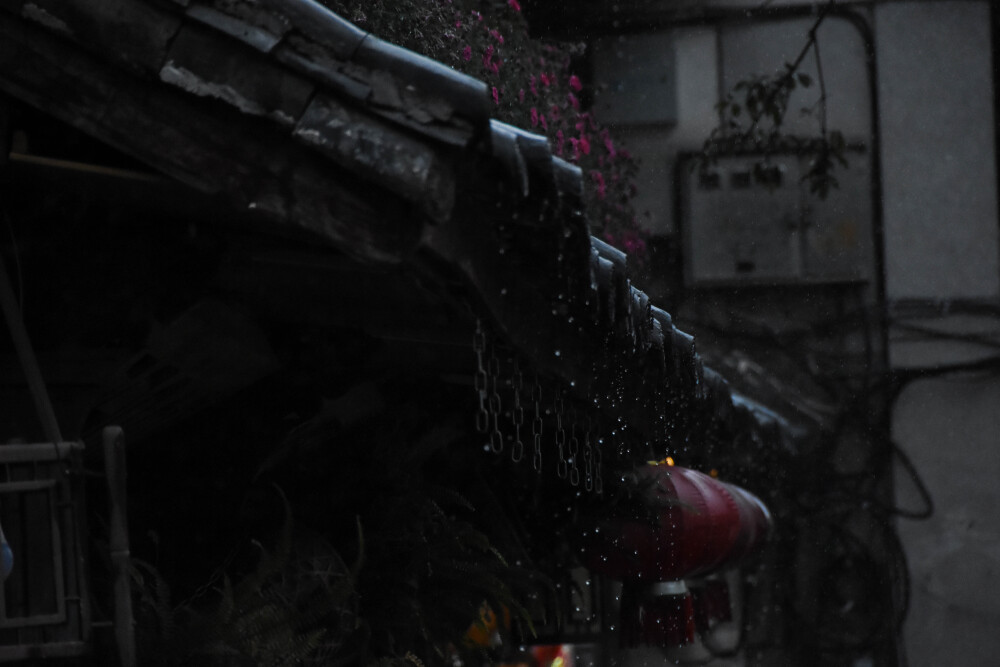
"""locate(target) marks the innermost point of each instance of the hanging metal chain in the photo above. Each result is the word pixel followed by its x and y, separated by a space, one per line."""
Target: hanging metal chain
pixel 481 381
pixel 517 413
pixel 598 481
pixel 495 407
pixel 536 426
pixel 588 458
pixel 574 453
pixel 562 467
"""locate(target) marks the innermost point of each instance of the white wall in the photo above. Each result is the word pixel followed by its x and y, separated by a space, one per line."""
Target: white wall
pixel 657 146
pixel 938 163
pixel 941 241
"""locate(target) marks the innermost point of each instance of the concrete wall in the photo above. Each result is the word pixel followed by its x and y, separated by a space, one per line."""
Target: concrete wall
pixel 939 169
pixel 941 242
pixel 656 146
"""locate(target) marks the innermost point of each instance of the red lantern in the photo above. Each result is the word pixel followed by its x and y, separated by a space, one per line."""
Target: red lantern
pixel 699 525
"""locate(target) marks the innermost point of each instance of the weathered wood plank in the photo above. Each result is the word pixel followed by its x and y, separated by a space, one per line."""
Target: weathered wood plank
pixel 206 144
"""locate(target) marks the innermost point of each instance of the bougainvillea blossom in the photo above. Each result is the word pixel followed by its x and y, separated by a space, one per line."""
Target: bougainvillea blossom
pixel 548 97
pixel 600 186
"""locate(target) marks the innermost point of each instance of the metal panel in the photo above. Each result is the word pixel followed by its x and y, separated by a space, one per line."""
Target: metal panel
pixel 744 223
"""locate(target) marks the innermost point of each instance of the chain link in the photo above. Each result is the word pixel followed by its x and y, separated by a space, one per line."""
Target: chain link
pixel 574 452
pixel 517 414
pixel 481 380
pixel 536 426
pixel 562 467
pixel 495 406
pixel 598 481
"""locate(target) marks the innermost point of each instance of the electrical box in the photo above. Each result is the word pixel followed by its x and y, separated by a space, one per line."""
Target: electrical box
pixel 746 220
pixel 641 79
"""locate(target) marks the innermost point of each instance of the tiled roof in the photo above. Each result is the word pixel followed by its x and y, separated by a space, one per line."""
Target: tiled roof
pixel 288 109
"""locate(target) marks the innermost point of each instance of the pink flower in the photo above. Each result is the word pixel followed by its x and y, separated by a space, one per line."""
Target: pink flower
pixel 544 123
pixel 633 241
pixel 458 24
pixel 575 143
pixel 488 60
pixel 513 4
pixel 608 144
pixel 545 79
pixel 574 82
pixel 496 95
pixel 520 95
pixel 598 179
pixel 575 103
pixel 533 86
pixel 534 116
pixel 560 142
pixel 495 34
pixel 585 144
pixel 467 53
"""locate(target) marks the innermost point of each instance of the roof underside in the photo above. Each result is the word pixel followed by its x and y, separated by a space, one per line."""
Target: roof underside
pixel 302 120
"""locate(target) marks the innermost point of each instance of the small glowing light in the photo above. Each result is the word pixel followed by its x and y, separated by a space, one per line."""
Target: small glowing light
pixel 669 461
pixel 714 473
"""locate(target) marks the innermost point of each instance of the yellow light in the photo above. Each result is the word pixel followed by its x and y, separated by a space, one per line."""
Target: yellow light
pixel 669 461
pixel 559 661
pixel 713 472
